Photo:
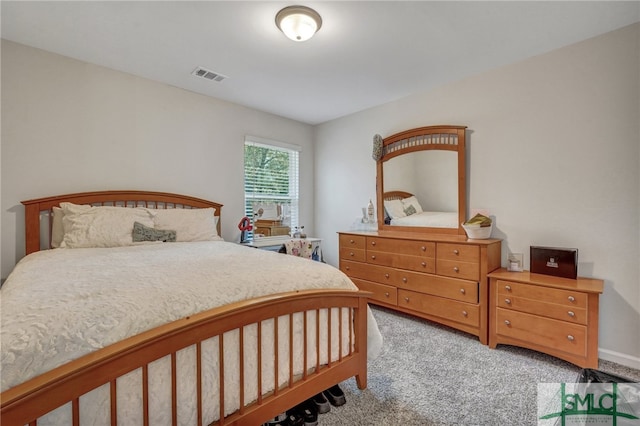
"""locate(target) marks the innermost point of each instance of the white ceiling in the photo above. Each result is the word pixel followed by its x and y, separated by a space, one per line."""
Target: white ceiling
pixel 366 53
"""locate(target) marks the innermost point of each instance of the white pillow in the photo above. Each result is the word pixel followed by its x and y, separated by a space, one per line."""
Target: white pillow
pixel 412 201
pixel 104 226
pixel 394 209
pixel 57 230
pixel 189 224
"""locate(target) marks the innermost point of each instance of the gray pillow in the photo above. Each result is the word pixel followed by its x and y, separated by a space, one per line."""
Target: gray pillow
pixel 146 233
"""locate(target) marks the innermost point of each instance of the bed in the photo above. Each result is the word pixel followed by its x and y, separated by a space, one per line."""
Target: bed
pixel 192 331
pixel 397 214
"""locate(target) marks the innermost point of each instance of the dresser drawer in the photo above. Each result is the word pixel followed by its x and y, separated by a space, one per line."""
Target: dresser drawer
pixel 458 252
pixel 413 263
pixel 567 298
pixel 453 310
pixel 550 310
pixel 402 247
pixel 352 241
pixel 546 332
pixel 382 293
pixel 365 271
pixel 352 254
pixel 465 291
pixel 458 269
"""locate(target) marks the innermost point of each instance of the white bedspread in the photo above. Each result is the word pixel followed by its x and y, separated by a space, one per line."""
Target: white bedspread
pixel 431 219
pixel 58 305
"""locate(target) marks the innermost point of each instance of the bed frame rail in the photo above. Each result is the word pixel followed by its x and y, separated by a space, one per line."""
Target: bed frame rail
pixel 25 403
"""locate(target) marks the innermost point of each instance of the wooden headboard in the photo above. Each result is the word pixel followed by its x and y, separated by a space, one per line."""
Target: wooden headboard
pixel 396 195
pixel 42 208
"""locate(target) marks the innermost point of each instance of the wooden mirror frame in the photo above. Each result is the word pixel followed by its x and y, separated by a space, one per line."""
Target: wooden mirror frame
pixel 445 137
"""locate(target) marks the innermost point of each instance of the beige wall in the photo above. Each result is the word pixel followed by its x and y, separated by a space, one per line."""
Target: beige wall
pixel 69 126
pixel 554 154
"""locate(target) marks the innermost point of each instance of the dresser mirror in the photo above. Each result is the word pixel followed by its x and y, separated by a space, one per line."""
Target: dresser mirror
pixel 421 180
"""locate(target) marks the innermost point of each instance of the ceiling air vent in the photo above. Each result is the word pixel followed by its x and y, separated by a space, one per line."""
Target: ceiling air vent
pixel 209 75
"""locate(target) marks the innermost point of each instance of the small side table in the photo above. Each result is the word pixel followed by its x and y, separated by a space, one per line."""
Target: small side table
pixel 279 244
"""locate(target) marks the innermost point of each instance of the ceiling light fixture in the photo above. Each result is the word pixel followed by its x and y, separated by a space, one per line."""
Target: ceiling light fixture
pixel 299 23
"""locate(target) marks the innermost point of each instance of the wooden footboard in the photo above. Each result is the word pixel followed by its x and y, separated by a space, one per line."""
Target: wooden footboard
pixel 27 402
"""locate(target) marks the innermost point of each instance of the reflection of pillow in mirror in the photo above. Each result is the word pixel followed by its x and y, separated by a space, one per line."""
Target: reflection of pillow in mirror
pixel 412 201
pixel 394 208
pixel 410 210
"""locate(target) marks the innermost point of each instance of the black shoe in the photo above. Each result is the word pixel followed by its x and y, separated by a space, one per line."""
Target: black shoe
pixel 321 403
pixel 308 411
pixel 335 396
pixel 294 418
pixel 279 420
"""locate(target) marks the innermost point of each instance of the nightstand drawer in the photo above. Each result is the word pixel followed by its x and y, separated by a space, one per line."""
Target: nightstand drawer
pixel 381 292
pixel 550 310
pixel 546 332
pixel 567 298
pixel 402 247
pixel 352 241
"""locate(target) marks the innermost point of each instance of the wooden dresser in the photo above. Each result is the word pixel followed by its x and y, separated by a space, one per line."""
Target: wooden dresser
pixel 442 278
pixel 557 316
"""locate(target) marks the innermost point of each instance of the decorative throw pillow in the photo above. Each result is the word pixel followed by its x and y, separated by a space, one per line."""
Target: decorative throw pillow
pixel 146 233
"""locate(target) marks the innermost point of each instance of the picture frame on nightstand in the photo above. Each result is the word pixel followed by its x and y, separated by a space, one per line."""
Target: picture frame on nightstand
pixel 515 262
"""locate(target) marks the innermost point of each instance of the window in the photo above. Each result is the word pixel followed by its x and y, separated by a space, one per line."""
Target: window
pixel 271 176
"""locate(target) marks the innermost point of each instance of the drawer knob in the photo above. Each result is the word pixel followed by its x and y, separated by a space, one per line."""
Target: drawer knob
pixel 456 251
pixel 423 248
pixel 456 269
pixel 404 279
pixel 373 257
pixel 351 241
pixel 386 276
pixel 571 299
pixel 348 268
pixel 571 314
pixel 465 313
pixel 462 290
pixel 507 287
pixel 424 264
pixel 373 243
pixel 507 301
pixel 570 338
pixel 507 322
pixel 406 299
pixel 351 253
pixel 386 294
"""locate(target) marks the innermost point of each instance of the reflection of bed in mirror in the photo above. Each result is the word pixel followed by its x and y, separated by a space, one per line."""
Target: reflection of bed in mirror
pixel 398 212
pixel 427 163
